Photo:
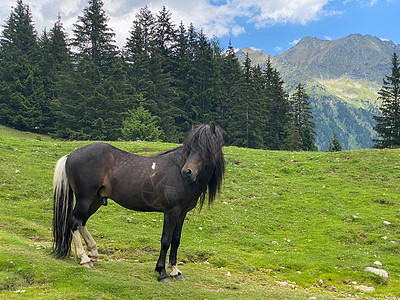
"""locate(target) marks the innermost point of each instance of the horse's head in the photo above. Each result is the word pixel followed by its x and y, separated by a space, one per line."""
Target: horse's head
pixel 192 167
pixel 202 149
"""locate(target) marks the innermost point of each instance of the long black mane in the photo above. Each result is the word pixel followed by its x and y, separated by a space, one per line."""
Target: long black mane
pixel 208 141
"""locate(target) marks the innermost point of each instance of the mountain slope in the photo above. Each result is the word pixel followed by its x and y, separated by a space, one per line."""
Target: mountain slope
pixel 356 56
pixel 342 79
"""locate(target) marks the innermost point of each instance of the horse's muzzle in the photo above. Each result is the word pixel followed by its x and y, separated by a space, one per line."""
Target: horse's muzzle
pixel 189 175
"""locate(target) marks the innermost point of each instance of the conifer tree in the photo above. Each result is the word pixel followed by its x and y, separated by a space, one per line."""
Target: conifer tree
pixel 203 76
pixel 181 73
pixel 216 88
pixel 234 106
pixel 334 145
pixel 137 52
pixel 253 97
pixel 93 38
pixel 94 96
pixel 151 68
pixel 22 97
pixel 55 62
pixel 165 34
pixel 140 125
pixel 60 56
pixel 278 128
pixel 388 124
pixel 302 116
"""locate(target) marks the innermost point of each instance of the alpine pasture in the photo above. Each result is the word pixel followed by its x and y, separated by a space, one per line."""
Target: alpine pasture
pixel 287 225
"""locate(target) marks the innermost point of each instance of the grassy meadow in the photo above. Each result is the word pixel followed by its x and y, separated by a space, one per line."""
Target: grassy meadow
pixel 287 225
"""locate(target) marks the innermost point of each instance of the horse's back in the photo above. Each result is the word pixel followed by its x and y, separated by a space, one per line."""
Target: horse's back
pixel 91 150
pixel 88 163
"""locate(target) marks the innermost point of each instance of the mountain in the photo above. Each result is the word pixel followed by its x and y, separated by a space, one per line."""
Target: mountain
pixel 342 79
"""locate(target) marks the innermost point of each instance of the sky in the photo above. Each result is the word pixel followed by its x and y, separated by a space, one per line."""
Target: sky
pixel 270 25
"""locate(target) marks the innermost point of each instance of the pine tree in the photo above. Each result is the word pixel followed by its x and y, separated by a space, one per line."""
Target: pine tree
pixel 216 90
pixel 161 66
pixel 203 75
pixel 151 68
pixel 181 71
pixel 254 117
pixel 140 125
pixel 302 116
pixel 166 34
pixel 137 53
pixel 278 128
pixel 22 97
pixel 93 38
pixel 234 105
pixel 94 96
pixel 55 60
pixel 334 145
pixel 388 124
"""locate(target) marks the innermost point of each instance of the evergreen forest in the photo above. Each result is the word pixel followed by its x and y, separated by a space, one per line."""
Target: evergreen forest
pixel 165 78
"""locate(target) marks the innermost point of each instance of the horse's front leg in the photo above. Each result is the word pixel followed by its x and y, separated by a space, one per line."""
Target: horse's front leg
pixel 176 239
pixel 170 221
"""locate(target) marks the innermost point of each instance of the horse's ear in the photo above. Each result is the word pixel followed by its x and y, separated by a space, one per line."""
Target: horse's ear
pixel 212 126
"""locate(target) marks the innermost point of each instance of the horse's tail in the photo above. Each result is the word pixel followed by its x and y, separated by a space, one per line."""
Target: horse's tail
pixel 62 202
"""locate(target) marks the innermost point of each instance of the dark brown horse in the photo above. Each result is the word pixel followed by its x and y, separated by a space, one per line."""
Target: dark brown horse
pixel 171 182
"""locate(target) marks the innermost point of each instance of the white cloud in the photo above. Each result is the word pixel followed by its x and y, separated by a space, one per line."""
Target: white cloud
pixel 329 38
pixel 363 2
pixel 215 17
pixel 237 30
pixel 5 9
pixel 255 49
pixel 270 12
pixel 294 42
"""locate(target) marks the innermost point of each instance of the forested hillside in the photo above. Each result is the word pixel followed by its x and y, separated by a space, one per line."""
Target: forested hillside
pixel 342 78
pixel 164 79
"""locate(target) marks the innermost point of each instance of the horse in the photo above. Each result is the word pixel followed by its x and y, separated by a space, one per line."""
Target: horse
pixel 172 182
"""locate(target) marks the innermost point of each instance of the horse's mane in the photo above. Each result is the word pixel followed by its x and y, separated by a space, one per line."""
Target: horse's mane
pixel 208 141
pixel 168 151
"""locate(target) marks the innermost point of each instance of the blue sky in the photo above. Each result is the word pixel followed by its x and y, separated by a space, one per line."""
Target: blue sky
pixel 379 18
pixel 270 25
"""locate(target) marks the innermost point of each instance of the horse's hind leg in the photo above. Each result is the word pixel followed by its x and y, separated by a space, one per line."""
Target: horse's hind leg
pixel 80 251
pixel 81 213
pixel 91 244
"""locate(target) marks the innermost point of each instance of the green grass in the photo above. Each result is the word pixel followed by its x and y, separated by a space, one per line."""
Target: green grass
pixel 283 218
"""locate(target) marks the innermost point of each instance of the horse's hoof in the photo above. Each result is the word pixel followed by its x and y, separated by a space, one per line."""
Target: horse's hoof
pixel 88 265
pixel 164 280
pixel 179 277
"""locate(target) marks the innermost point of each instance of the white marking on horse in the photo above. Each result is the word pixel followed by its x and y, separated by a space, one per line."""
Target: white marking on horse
pixel 153 166
pixel 175 271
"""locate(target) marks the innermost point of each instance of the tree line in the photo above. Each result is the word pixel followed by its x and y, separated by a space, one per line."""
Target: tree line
pixel 164 79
